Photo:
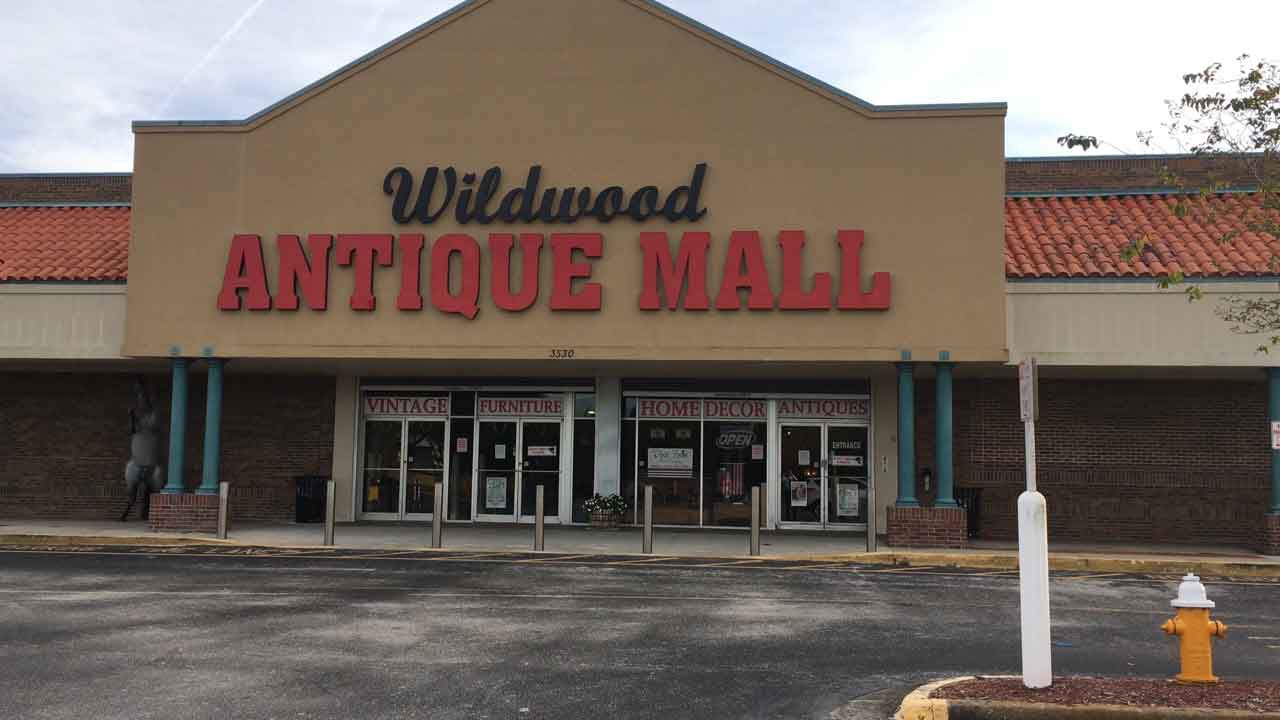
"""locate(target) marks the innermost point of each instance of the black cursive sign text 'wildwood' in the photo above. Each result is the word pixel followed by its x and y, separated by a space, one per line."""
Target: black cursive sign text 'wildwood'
pixel 473 201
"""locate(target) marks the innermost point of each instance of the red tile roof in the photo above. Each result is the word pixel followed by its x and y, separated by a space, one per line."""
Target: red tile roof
pixel 64 243
pixel 1045 237
pixel 1085 237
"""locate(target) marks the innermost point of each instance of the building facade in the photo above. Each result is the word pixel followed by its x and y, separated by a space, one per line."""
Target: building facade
pixel 598 246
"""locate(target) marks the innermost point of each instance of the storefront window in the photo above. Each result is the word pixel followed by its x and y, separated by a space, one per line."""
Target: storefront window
pixel 669 455
pixel 628 471
pixel 461 446
pixel 462 440
pixel 733 463
pixel 584 452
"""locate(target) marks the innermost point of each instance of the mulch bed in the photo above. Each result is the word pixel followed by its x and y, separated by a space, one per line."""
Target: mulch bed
pixel 1255 695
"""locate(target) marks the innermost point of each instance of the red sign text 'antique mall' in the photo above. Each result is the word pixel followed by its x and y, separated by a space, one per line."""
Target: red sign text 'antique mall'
pixel 448 273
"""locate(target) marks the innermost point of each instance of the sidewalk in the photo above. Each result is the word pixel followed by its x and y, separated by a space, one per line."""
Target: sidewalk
pixel 837 547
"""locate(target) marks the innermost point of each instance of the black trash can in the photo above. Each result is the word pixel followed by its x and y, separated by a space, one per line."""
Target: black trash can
pixel 309 498
pixel 971 500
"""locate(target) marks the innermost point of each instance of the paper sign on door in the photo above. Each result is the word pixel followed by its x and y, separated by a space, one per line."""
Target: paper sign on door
pixel 804 458
pixel 499 452
pixel 495 492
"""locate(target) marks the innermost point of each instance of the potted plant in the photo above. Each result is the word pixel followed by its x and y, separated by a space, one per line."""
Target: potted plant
pixel 605 510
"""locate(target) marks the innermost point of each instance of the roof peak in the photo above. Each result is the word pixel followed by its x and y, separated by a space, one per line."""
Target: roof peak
pixel 652 6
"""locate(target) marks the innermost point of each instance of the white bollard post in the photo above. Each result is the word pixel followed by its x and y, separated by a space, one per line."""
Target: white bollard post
pixel 1033 545
pixel 1033 571
pixel 437 516
pixel 753 542
pixel 329 510
pixel 224 499
pixel 646 534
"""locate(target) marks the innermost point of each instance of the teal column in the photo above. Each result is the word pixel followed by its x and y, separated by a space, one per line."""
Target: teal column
pixel 942 438
pixel 1273 395
pixel 212 429
pixel 906 436
pixel 177 427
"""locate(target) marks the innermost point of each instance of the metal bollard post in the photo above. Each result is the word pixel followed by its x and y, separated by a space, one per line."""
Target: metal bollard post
pixel 224 494
pixel 755 519
pixel 539 528
pixel 329 492
pixel 646 535
pixel 437 517
pixel 871 522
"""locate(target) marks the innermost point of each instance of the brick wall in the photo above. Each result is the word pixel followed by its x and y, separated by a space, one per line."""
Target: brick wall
pixel 184 513
pixel 926 527
pixel 1084 172
pixel 70 188
pixel 66 440
pixel 1269 543
pixel 1122 460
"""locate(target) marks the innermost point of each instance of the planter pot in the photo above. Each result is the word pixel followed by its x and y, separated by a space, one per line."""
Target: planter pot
pixel 604 520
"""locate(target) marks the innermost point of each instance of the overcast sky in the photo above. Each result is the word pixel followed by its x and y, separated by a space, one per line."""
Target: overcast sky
pixel 77 72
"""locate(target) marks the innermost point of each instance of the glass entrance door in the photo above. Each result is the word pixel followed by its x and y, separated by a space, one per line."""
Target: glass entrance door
pixel 382 459
pixel 802 473
pixel 825 478
pixel 403 460
pixel 513 458
pixel 540 450
pixel 496 454
pixel 848 479
pixel 424 466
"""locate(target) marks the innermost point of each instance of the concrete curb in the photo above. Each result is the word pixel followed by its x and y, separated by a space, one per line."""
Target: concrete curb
pixel 1176 565
pixel 1001 710
pixel 917 705
pixel 108 540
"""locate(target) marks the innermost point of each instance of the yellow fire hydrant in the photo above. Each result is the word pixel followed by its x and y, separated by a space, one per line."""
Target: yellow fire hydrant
pixel 1195 630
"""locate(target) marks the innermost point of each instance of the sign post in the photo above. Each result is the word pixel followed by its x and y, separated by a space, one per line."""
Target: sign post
pixel 1033 545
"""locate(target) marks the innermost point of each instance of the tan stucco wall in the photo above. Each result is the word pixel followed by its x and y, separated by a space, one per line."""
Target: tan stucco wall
pixel 1131 324
pixel 61 322
pixel 884 443
pixel 598 93
pixel 346 396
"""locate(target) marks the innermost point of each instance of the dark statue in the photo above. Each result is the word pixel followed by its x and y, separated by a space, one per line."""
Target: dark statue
pixel 144 472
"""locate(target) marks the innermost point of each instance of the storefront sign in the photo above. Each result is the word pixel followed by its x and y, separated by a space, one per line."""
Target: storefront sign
pixel 670 462
pixel 734 437
pixel 833 408
pixel 454 285
pixel 473 199
pixel 677 408
pixel 454 260
pixel 541 451
pixel 716 409
pixel 406 405
pixel 521 407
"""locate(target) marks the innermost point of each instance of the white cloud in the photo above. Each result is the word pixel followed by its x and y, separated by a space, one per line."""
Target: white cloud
pixel 78 71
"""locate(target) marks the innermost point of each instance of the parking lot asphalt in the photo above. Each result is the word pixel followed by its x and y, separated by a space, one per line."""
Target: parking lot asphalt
pixel 241 632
